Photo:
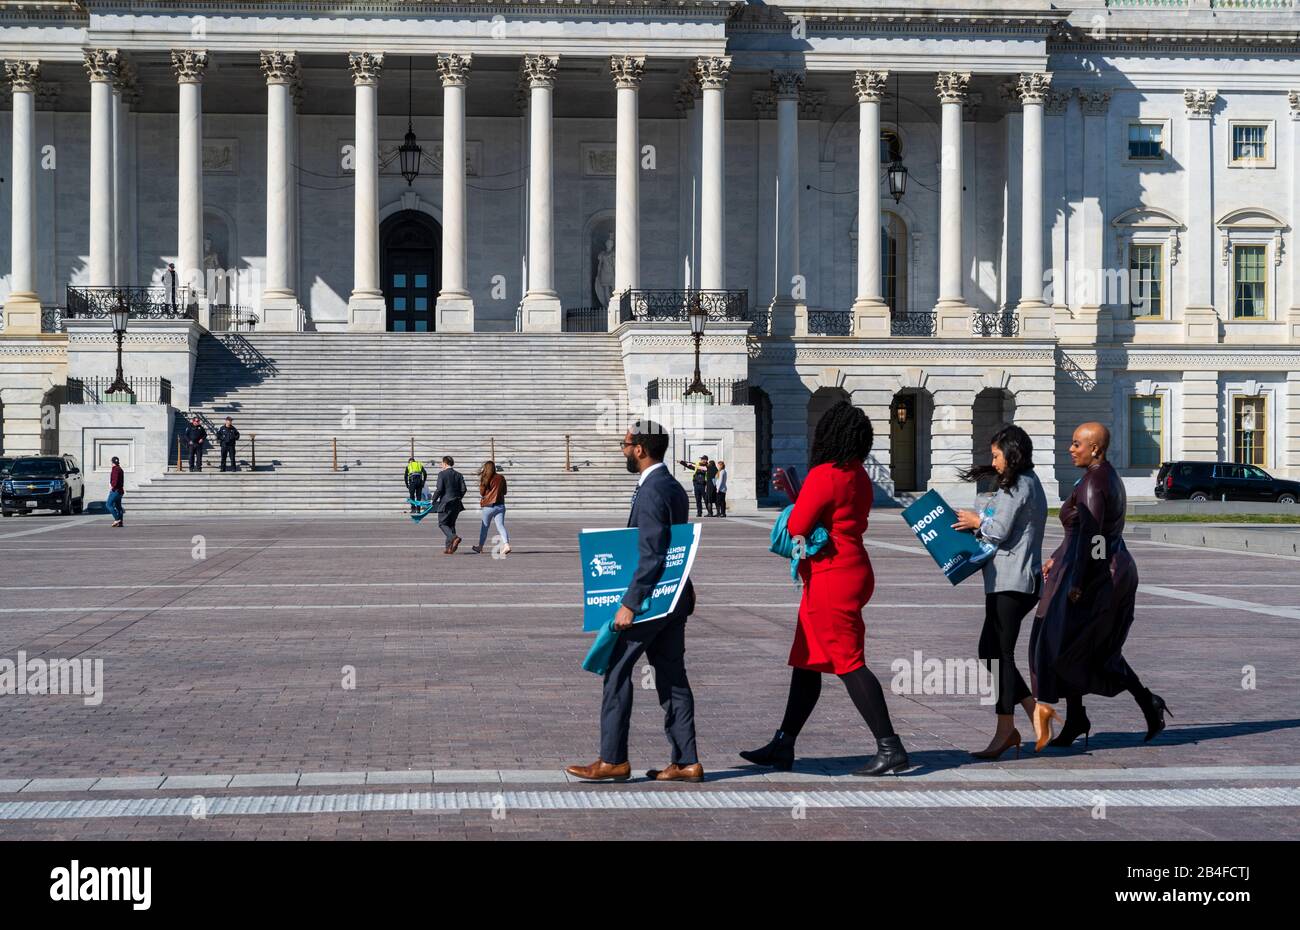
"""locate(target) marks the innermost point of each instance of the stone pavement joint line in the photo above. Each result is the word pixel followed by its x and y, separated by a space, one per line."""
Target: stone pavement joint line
pixel 646 800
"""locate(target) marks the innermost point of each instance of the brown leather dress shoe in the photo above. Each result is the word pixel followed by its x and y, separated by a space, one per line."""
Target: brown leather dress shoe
pixel 601 771
pixel 676 772
pixel 455 544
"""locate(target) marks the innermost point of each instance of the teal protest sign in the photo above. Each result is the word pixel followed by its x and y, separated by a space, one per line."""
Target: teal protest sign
pixel 609 560
pixel 957 552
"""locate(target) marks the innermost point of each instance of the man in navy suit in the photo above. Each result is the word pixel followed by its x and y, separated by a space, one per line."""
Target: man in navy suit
pixel 658 503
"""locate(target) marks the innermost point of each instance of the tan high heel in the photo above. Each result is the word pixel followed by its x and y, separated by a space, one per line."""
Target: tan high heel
pixel 1044 714
pixel 1012 740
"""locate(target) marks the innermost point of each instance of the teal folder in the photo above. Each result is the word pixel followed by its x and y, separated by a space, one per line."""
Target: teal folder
pixel 958 553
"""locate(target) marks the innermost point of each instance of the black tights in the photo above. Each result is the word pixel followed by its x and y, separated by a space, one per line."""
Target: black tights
pixel 863 687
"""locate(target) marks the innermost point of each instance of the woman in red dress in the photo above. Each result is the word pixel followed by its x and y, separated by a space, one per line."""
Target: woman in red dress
pixel 837 583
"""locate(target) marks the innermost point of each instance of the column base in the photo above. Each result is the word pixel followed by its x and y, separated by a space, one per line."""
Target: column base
pixel 22 314
pixel 952 319
pixel 1036 319
pixel 281 314
pixel 367 312
pixel 542 312
pixel 870 318
pixel 1201 324
pixel 454 313
pixel 788 317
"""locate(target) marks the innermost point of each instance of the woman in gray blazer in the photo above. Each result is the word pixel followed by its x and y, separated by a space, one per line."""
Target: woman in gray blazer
pixel 1014 522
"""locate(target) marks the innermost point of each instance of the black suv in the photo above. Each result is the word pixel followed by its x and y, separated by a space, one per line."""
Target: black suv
pixel 1222 481
pixel 42 482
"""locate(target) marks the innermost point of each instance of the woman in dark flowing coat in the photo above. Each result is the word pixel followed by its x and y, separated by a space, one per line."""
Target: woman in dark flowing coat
pixel 1091 580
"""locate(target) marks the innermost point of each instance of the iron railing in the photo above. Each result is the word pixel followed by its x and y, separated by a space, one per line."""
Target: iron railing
pixel 723 391
pixel 153 302
pixel 143 391
pixel 659 305
pixel 586 320
pixel 51 320
pixel 924 323
pixel 830 322
pixel 997 323
pixel 225 318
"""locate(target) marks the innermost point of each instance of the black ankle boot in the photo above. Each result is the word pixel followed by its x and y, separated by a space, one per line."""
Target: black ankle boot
pixel 779 753
pixel 890 756
pixel 1154 710
pixel 1076 724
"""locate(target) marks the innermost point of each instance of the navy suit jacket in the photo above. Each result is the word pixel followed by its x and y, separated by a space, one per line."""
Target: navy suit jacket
pixel 659 503
pixel 449 490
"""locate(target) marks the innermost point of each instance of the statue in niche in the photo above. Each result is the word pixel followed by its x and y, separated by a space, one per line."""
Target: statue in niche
pixel 603 281
pixel 211 257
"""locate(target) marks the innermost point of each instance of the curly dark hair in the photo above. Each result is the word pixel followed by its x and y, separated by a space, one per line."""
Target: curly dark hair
pixel 1016 447
pixel 842 436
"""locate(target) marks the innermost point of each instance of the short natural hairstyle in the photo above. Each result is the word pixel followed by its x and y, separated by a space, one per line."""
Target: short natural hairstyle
pixel 650 436
pixel 843 435
pixel 448 461
pixel 1018 451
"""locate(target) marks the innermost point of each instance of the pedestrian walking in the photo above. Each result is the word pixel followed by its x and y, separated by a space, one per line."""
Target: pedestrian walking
pixel 448 501
pixel 197 439
pixel 837 583
pixel 414 479
pixel 492 501
pixel 658 503
pixel 1014 521
pixel 116 487
pixel 227 436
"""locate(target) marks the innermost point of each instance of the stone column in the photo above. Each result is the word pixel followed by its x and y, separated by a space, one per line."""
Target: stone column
pixel 366 310
pixel 1200 320
pixel 785 92
pixel 1094 310
pixel 22 311
pixel 101 67
pixel 952 310
pixel 295 107
pixel 870 312
pixel 1035 314
pixel 1293 315
pixel 189 65
pixel 1056 203
pixel 455 309
pixel 279 303
pixel 541 310
pixel 688 219
pixel 712 74
pixel 626 71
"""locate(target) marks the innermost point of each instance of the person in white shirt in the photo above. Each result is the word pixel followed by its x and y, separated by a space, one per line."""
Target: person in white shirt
pixel 720 499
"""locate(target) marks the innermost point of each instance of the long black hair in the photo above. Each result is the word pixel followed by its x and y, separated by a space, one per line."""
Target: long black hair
pixel 1018 450
pixel 843 435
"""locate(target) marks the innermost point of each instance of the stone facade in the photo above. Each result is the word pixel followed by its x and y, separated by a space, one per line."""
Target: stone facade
pixel 1055 154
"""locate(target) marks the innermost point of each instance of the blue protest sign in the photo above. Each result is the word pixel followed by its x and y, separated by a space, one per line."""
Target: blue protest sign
pixel 958 553
pixel 609 560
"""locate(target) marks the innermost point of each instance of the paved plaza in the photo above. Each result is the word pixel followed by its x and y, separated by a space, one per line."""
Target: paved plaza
pixel 330 678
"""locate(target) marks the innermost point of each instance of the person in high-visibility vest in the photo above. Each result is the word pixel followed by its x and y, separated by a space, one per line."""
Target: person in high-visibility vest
pixel 415 477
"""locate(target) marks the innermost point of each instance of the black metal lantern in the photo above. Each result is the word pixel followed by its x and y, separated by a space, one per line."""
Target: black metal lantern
pixel 698 316
pixel 901 411
pixel 120 315
pixel 409 152
pixel 897 170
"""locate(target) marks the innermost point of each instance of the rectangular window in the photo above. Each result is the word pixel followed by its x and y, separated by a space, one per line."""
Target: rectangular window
pixel 1146 293
pixel 1249 431
pixel 1146 141
pixel 1249 283
pixel 1249 142
pixel 1145 431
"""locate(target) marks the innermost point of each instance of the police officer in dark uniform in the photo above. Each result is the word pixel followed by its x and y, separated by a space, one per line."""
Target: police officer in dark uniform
pixel 227 436
pixel 197 438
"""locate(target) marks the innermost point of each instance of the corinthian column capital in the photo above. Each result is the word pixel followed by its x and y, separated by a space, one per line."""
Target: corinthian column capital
pixel 1033 88
pixel 453 68
pixel 540 70
pixel 100 63
pixel 870 85
pixel 366 67
pixel 23 74
pixel 627 70
pixel 189 64
pixel 952 86
pixel 712 73
pixel 280 67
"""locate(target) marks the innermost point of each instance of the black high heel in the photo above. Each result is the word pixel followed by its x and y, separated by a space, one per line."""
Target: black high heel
pixel 1076 725
pixel 1154 710
pixel 779 753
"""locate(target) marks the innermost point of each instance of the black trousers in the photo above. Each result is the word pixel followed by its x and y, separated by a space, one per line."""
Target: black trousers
pixel 720 503
pixel 711 496
pixel 414 486
pixel 447 523
pixel 196 458
pixel 664 643
pixel 700 495
pixel 229 451
pixel 1003 613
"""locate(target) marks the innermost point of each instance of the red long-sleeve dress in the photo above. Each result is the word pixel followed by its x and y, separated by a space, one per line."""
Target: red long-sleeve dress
pixel 838 580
